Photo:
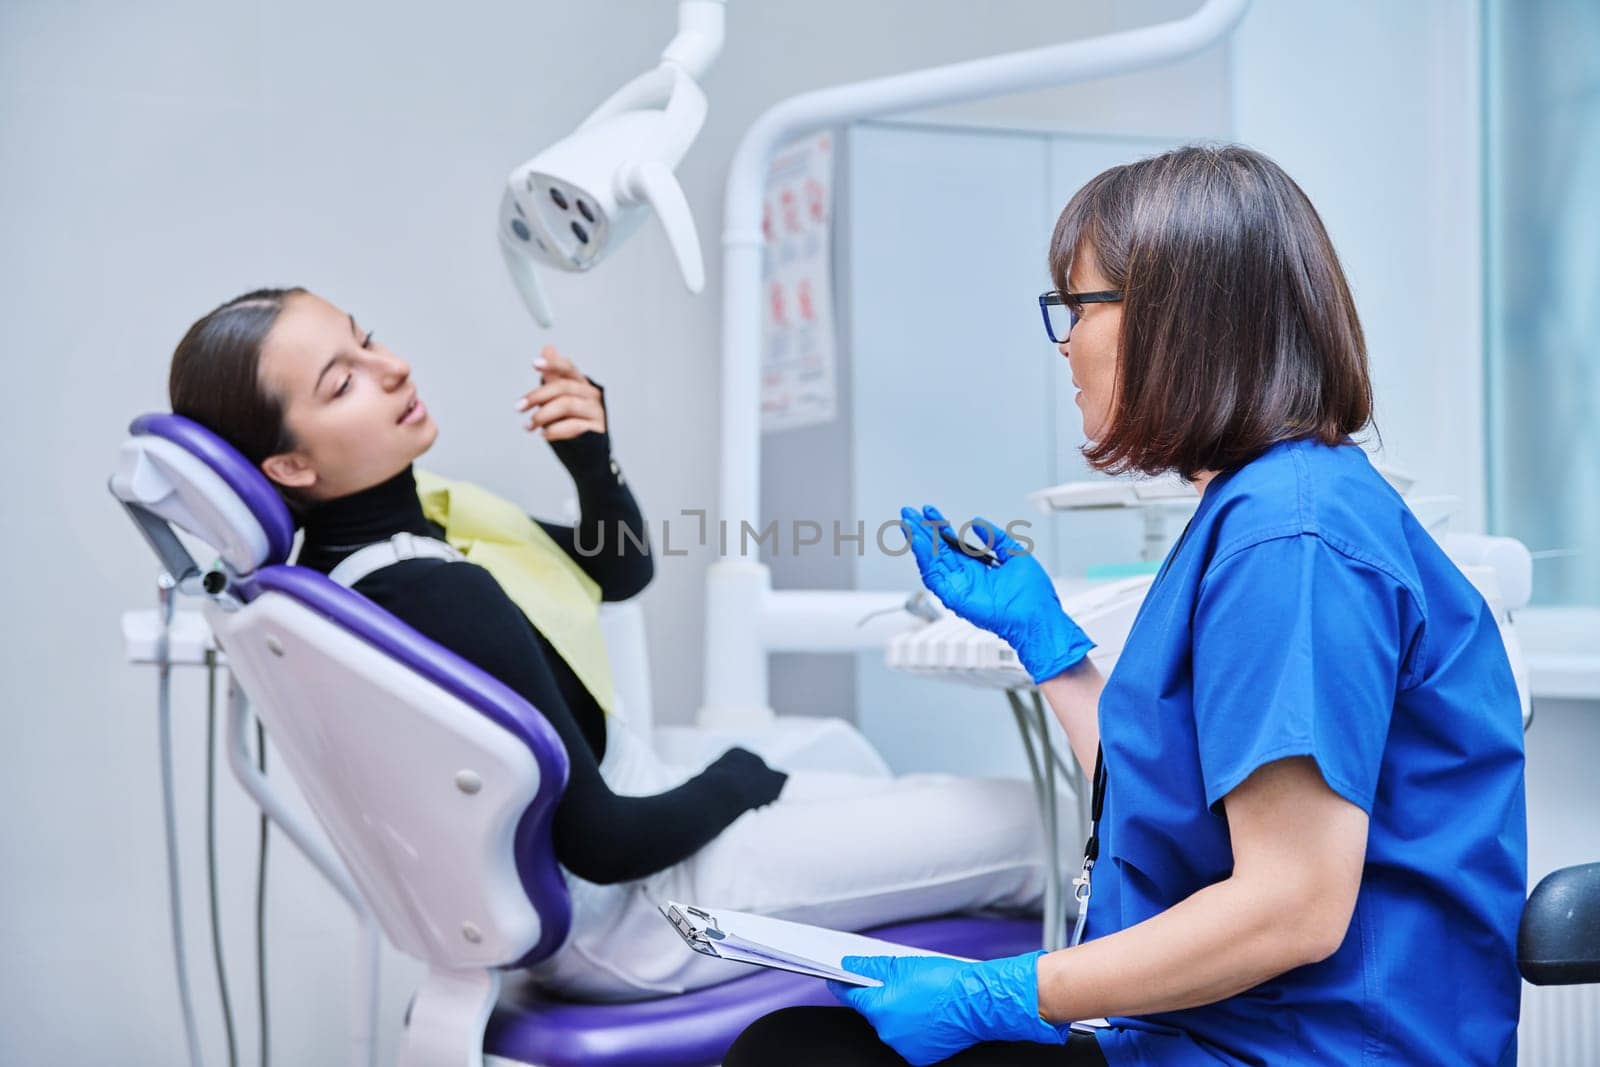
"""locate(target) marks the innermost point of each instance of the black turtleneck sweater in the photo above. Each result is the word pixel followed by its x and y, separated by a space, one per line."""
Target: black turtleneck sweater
pixel 600 836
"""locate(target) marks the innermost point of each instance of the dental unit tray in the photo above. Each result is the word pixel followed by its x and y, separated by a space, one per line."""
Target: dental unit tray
pixel 953 649
pixel 1121 493
pixel 1167 490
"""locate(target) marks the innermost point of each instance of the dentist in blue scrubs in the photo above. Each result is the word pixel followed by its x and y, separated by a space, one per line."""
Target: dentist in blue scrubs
pixel 1311 847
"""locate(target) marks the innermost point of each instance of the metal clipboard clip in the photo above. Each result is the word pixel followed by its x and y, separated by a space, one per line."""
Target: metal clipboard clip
pixel 698 935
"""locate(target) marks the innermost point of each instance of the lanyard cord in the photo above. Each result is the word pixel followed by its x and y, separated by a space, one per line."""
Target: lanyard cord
pixel 1091 848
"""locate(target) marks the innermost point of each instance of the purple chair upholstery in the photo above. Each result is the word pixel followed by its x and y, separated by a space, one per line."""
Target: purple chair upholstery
pixel 690 1030
pixel 239 473
pixel 697 1028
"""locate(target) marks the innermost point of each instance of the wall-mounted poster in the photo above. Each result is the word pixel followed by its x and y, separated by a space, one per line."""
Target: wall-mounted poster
pixel 798 385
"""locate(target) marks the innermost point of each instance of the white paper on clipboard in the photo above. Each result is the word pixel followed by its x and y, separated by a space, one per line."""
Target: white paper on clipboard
pixel 763 941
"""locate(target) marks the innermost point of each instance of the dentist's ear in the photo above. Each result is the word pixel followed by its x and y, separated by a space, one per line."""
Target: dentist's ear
pixel 289 469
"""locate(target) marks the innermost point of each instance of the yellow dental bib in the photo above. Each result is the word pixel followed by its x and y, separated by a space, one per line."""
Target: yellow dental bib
pixel 561 601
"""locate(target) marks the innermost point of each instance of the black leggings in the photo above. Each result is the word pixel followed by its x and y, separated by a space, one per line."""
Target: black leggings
pixel 840 1037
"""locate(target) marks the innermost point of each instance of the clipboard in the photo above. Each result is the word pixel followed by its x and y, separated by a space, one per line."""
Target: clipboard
pixel 762 941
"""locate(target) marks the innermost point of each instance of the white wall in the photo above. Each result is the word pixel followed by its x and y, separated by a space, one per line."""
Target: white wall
pixel 1373 107
pixel 162 157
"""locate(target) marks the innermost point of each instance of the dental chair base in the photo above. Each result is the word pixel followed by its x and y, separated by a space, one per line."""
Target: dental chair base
pixel 446 1018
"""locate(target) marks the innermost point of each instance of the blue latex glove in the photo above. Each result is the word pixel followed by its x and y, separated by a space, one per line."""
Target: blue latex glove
pixel 1015 600
pixel 928 1009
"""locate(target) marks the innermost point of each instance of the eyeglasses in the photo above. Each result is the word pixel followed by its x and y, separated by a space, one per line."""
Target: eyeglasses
pixel 1061 310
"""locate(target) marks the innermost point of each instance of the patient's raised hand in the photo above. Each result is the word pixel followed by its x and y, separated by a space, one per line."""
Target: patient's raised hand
pixel 566 403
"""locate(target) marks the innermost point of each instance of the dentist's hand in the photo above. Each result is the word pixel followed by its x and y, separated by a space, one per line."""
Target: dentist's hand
pixel 567 403
pixel 1014 600
pixel 928 1009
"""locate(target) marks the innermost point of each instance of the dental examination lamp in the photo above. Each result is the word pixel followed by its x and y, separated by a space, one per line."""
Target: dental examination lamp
pixel 570 206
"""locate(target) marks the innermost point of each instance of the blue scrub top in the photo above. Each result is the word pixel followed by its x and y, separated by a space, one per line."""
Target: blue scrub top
pixel 1306 612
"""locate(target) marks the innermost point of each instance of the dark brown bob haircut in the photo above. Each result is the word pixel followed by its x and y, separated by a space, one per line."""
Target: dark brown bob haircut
pixel 1238 329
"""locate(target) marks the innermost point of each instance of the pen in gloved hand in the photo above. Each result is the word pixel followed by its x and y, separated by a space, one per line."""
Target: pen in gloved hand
pixel 984 555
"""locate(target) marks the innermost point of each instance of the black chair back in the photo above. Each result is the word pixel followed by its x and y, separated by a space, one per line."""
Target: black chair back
pixel 1558 941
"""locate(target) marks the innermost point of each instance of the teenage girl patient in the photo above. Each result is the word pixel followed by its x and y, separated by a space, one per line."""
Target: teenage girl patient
pixel 333 418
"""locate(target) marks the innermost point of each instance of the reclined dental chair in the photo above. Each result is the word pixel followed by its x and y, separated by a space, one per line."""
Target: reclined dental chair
pixel 434 783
